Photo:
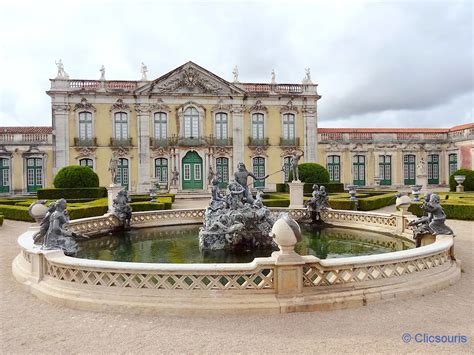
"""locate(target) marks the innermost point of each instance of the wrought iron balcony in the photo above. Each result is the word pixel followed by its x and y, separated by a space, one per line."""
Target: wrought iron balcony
pixel 85 142
pixel 191 141
pixel 219 142
pixel 120 142
pixel 289 142
pixel 258 142
pixel 163 142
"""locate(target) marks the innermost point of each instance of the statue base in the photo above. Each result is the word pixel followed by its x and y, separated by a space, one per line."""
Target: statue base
pixel 296 194
pixel 423 181
pixel 112 192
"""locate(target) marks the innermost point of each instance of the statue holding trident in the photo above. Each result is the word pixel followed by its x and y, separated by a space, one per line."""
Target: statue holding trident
pixel 241 177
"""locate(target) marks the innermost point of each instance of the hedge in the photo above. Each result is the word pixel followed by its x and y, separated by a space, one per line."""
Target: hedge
pixel 311 173
pixel 308 187
pixel 55 194
pixel 146 198
pixel 452 210
pixel 1 220
pixel 147 206
pixel 86 211
pixel 17 213
pixel 281 202
pixel 76 176
pixel 468 183
pixel 365 203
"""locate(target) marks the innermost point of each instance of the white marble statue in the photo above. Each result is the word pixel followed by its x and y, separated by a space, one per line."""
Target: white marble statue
pixel 236 74
pixel 144 70
pixel 307 78
pixel 61 72
pixel 102 73
pixel 273 76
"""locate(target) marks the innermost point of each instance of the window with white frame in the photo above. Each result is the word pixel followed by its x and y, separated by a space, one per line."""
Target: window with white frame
pixel 288 126
pixel 221 125
pixel 87 162
pixel 121 125
pixel 161 170
pixel 453 163
pixel 257 126
pixel 160 125
pixel 85 125
pixel 334 167
pixel 191 123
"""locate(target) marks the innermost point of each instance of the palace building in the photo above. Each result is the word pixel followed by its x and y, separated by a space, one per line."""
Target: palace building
pixel 192 120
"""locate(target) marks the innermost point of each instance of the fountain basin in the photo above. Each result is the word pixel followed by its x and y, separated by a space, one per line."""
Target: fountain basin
pixel 259 286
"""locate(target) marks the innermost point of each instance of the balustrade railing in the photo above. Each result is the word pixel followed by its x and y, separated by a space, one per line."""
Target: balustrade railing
pixel 258 142
pixel 22 138
pixel 219 142
pixel 289 142
pixel 120 142
pixel 85 142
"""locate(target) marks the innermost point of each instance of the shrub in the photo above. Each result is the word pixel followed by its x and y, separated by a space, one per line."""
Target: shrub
pixel 1 220
pixel 468 183
pixel 147 206
pixel 308 187
pixel 70 193
pixel 86 211
pixel 453 210
pixel 75 176
pixel 281 202
pixel 312 173
pixel 18 213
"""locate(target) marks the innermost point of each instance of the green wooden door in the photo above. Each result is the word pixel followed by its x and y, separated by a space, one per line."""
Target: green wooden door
pixel 385 169
pixel 4 175
pixel 334 168
pixel 259 171
pixel 358 169
pixel 222 166
pixel 192 171
pixel 409 169
pixel 122 173
pixel 34 174
pixel 433 169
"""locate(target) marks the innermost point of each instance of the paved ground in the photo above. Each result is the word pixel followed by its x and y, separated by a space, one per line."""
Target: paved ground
pixel 28 325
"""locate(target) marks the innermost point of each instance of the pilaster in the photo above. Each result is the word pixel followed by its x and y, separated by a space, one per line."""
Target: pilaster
pixel 143 129
pixel 310 134
pixel 60 112
pixel 238 135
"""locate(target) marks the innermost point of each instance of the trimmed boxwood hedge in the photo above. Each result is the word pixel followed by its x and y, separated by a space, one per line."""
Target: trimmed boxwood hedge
pixel 1 220
pixel 17 213
pixel 308 187
pixel 146 198
pixel 468 183
pixel 453 210
pixel 70 193
pixel 75 176
pixel 147 206
pixel 280 202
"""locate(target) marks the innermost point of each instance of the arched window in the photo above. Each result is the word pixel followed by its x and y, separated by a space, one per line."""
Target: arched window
pixel 161 170
pixel 385 169
pixel 433 169
pixel 259 171
pixel 85 125
pixel 191 123
pixel 160 125
pixel 222 167
pixel 289 127
pixel 221 126
pixel 87 162
pixel 453 163
pixel 287 167
pixel 334 167
pixel 409 162
pixel 4 175
pixel 257 126
pixel 121 125
pixel 358 170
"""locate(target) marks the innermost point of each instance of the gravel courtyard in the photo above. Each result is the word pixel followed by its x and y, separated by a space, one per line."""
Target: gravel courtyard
pixel 31 326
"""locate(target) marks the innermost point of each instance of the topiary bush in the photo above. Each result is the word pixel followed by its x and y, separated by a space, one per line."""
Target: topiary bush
pixel 312 173
pixel 468 183
pixel 75 176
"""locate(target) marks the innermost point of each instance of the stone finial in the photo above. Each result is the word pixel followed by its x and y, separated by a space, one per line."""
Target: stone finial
pixel 286 232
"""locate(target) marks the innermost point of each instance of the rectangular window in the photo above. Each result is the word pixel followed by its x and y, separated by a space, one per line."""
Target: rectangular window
pixel 187 172
pixel 6 177
pixel 453 163
pixel 197 172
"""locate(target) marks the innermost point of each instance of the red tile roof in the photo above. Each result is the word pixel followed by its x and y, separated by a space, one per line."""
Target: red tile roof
pixel 30 129
pixel 395 130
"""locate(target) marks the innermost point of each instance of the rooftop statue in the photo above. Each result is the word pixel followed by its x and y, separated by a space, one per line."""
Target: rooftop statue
pixel 144 70
pixel 235 72
pixel 61 72
pixel 102 73
pixel 57 236
pixel 433 223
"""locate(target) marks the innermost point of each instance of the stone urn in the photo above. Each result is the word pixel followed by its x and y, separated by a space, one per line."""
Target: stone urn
pixel 459 179
pixel 415 190
pixel 38 210
pixel 352 191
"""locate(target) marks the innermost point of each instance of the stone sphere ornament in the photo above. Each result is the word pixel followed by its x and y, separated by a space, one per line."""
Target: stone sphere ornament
pixel 38 210
pixel 286 233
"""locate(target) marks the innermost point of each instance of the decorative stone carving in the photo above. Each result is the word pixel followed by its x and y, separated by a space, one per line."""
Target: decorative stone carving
pixel 119 105
pixel 142 109
pixel 258 151
pixel 294 166
pixel 120 151
pixel 258 106
pixel 318 201
pixel 222 151
pixel 190 78
pixel 221 107
pixel 60 108
pixel 159 106
pixel 238 108
pixel 122 209
pixel 309 109
pixel 289 107
pixel 287 151
pixel 85 151
pixel 84 105
pixel 433 223
pixel 160 151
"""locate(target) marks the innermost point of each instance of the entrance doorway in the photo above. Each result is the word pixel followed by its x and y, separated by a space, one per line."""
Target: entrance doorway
pixel 192 171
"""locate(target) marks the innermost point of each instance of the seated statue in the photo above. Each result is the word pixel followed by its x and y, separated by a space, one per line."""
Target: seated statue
pixel 433 223
pixel 39 236
pixel 319 200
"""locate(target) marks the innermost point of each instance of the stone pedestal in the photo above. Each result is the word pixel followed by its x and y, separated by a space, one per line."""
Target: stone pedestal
pixel 423 181
pixel 296 194
pixel 112 192
pixel 173 189
pixel 459 188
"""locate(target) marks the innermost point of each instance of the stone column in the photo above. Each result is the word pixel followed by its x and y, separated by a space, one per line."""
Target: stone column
pixel 143 130
pixel 310 134
pixel 238 135
pixel 60 133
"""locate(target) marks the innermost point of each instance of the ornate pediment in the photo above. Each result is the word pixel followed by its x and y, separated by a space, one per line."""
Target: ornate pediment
pixel 258 106
pixel 119 105
pixel 84 105
pixel 190 78
pixel 289 107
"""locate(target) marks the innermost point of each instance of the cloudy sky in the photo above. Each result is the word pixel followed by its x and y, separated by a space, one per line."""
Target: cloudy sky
pixel 378 64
